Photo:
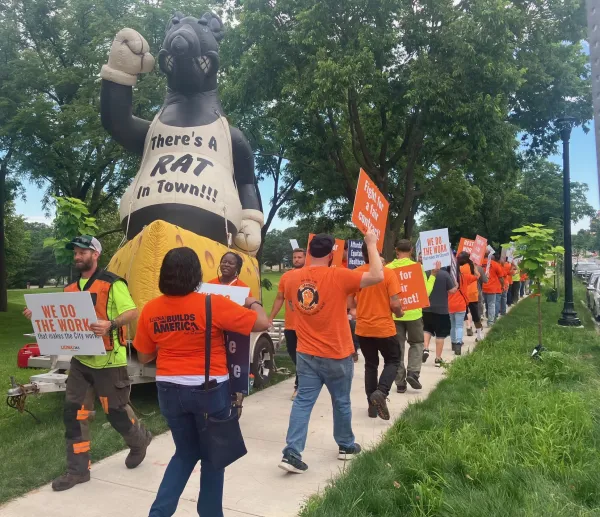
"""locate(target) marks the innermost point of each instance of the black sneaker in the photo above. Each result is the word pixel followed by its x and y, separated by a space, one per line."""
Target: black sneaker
pixel 378 399
pixel 439 362
pixel 291 463
pixel 454 347
pixel 413 380
pixel 372 411
pixel 458 349
pixel 401 388
pixel 425 355
pixel 347 453
pixel 469 332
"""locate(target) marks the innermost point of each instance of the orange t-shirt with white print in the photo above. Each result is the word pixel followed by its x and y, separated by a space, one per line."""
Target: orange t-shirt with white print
pixel 289 313
pixel 492 286
pixel 319 295
pixel 175 327
pixel 373 313
pixel 236 283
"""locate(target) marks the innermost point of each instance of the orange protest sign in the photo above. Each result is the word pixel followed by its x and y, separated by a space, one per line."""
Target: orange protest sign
pixel 338 251
pixel 370 208
pixel 478 251
pixel 413 292
pixel 465 245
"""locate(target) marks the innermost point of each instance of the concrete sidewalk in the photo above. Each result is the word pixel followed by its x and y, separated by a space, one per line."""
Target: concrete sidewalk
pixel 254 486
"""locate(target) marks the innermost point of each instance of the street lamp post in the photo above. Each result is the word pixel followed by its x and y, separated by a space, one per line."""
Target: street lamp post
pixel 569 316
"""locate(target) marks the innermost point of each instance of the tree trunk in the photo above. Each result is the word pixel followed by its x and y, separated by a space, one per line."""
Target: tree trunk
pixel 3 273
pixel 539 288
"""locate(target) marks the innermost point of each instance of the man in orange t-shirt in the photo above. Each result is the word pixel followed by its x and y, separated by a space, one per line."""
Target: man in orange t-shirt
pixel 376 333
pixel 324 354
pixel 291 340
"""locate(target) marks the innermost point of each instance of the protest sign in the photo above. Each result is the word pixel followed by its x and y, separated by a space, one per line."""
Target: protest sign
pixel 355 256
pixel 418 249
pixel 338 252
pixel 413 292
pixel 61 322
pixel 465 245
pixel 370 210
pixel 234 293
pixel 294 244
pixel 478 251
pixel 238 345
pixel 435 248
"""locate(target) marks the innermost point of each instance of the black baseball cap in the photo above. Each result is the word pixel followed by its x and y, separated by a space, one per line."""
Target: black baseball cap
pixel 321 245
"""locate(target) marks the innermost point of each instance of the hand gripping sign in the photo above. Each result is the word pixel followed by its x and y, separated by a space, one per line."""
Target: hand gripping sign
pixel 61 322
pixel 238 345
pixel 370 208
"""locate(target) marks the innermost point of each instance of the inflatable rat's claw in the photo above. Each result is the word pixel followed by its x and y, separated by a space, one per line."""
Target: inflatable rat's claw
pixel 249 236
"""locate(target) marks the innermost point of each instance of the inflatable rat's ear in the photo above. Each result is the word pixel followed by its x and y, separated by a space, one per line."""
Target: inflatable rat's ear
pixel 175 19
pixel 215 25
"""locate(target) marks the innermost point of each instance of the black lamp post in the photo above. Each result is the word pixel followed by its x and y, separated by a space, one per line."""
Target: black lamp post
pixel 569 316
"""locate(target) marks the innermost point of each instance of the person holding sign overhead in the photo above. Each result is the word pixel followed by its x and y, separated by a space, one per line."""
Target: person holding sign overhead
pixel 172 329
pixel 324 354
pixel 105 374
pixel 230 268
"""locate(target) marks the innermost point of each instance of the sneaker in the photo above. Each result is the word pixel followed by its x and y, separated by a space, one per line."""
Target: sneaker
pixel 68 480
pixel 453 347
pixel 413 380
pixel 439 362
pixel 458 349
pixel 294 394
pixel 291 463
pixel 372 411
pixel 425 355
pixel 347 453
pixel 401 388
pixel 469 332
pixel 378 399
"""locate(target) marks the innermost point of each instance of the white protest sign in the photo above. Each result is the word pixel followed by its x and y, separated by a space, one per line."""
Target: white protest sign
pixel 294 244
pixel 234 293
pixel 435 247
pixel 61 322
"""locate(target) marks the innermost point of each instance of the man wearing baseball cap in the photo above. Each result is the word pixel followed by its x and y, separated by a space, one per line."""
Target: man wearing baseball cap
pixel 106 375
pixel 318 296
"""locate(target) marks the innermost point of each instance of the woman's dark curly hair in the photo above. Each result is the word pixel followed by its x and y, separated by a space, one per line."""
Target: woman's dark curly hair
pixel 180 273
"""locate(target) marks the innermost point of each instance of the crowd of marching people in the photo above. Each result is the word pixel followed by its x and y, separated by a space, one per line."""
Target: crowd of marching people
pixel 319 300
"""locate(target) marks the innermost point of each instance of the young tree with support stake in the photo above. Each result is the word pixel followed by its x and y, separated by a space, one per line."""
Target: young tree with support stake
pixel 535 244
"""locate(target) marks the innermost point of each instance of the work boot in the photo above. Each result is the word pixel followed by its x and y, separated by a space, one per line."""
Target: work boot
pixel 69 480
pixel 138 453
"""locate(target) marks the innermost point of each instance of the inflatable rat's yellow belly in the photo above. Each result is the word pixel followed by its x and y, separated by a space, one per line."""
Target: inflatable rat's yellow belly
pixel 140 259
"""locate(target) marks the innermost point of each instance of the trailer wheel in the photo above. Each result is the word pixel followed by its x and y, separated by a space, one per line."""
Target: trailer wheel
pixel 263 361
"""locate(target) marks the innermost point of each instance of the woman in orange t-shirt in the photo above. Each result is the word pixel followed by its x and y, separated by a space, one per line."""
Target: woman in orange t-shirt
pixel 230 269
pixel 172 329
pixel 457 304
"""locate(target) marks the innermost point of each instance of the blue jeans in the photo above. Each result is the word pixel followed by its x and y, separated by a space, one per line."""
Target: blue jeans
pixel 503 301
pixel 490 307
pixel 499 306
pixel 457 322
pixel 184 408
pixel 313 373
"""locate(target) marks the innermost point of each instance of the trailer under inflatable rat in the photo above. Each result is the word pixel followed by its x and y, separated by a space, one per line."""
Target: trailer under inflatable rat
pixel 197 172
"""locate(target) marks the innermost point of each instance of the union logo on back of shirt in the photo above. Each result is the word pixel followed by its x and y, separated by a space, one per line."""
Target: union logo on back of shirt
pixel 308 297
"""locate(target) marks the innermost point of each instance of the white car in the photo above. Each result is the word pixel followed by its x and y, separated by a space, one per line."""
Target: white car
pixel 591 288
pixel 595 295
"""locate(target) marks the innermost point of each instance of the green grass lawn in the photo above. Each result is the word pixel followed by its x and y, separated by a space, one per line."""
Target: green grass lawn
pixel 269 296
pixel 33 454
pixel 501 436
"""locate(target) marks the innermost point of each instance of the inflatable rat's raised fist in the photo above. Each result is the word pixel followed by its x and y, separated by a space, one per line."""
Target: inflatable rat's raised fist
pixel 129 56
pixel 197 172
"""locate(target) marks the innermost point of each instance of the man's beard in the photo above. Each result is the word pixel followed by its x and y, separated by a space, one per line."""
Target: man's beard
pixel 84 266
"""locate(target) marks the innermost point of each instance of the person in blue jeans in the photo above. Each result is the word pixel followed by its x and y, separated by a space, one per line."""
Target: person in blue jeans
pixel 324 353
pixel 172 328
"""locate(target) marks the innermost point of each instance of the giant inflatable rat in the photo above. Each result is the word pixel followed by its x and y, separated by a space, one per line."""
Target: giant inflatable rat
pixel 197 172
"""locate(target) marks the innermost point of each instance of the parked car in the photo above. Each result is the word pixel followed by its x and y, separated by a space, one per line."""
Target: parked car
pixel 591 287
pixel 581 268
pixel 595 296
